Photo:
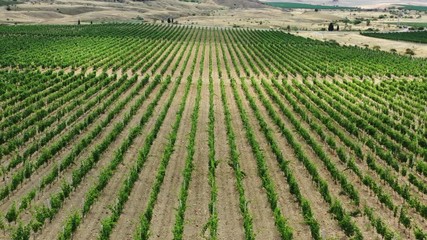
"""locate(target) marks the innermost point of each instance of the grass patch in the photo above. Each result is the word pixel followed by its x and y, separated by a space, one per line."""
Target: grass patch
pixel 8 2
pixel 413 7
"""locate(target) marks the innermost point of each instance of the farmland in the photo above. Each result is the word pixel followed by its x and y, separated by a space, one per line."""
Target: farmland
pixel 417 37
pixel 413 24
pixel 155 131
pixel 413 7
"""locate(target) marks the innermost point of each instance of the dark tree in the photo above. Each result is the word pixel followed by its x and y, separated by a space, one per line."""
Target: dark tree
pixel 169 20
pixel 78 22
pixel 331 27
pixel 338 27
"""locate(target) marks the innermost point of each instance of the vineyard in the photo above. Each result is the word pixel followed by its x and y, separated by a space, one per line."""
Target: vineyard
pixel 149 131
pixel 417 37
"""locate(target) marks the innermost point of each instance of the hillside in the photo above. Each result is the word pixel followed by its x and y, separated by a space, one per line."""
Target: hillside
pixel 66 12
pixel 358 3
pixel 240 3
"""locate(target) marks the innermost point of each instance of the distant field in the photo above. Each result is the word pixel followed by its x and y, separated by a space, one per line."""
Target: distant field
pixel 7 2
pixel 304 6
pixel 414 24
pixel 418 37
pixel 413 7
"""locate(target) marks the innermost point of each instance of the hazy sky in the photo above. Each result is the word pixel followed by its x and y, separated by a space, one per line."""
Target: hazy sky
pixel 355 2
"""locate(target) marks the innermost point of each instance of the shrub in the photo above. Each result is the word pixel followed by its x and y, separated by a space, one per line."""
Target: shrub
pixel 409 52
pixel 12 213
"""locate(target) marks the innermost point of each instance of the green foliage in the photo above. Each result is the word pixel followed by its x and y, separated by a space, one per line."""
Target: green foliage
pixel 419 234
pixel 213 218
pixel 418 37
pixel 21 232
pixel 3 225
pixel 413 7
pixel 413 24
pixel 403 217
pixel 54 46
pixel 70 226
pixel 12 213
pixel 9 2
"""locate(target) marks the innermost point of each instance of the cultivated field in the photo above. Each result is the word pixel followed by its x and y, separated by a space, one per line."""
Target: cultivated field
pixel 418 37
pixel 149 131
